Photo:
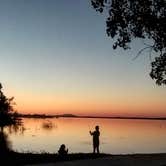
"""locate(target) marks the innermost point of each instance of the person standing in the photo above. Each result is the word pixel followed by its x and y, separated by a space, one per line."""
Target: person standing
pixel 96 142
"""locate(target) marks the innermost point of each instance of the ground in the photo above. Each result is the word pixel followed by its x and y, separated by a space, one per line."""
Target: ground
pixel 115 160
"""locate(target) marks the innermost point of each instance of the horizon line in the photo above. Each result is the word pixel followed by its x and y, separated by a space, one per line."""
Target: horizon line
pixel 90 116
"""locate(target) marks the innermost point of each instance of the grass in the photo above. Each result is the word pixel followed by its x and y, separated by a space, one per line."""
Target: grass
pixel 15 158
pixel 19 159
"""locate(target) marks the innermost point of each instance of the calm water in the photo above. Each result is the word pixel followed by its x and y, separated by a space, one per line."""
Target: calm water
pixel 117 136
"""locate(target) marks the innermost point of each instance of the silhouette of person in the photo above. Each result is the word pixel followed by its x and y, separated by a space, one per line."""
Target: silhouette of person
pixel 62 150
pixel 96 142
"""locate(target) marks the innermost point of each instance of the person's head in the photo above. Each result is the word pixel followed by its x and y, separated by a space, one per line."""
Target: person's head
pixel 62 146
pixel 97 127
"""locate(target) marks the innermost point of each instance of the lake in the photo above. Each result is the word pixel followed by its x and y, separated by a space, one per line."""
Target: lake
pixel 118 136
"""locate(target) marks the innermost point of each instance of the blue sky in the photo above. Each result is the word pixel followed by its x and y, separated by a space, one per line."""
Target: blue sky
pixel 55 57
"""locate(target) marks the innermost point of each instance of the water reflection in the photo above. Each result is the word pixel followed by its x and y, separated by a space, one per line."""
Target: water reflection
pixel 48 125
pixel 17 129
pixel 117 136
pixel 5 142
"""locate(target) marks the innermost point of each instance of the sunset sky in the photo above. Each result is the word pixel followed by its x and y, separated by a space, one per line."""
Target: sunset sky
pixel 55 58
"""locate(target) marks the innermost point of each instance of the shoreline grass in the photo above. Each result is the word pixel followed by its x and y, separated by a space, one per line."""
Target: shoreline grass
pixel 16 158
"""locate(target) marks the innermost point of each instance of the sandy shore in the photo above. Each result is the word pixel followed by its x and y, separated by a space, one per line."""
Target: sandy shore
pixel 116 160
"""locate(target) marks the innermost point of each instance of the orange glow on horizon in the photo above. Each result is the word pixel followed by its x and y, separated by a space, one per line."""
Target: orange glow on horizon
pixel 113 105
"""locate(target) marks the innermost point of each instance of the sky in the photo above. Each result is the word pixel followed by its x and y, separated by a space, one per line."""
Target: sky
pixel 55 58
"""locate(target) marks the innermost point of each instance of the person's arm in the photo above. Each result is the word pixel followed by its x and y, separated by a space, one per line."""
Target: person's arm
pixel 91 133
pixel 59 151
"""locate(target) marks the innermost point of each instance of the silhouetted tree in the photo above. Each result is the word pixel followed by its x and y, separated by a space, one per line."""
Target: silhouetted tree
pixel 7 114
pixel 130 19
pixel 5 145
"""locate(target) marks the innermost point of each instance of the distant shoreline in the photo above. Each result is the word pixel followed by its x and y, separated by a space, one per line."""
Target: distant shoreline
pixel 77 116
